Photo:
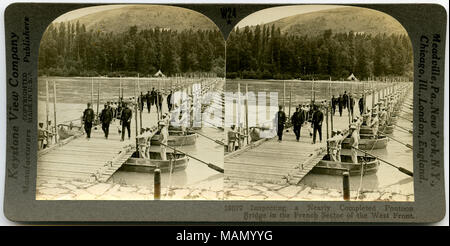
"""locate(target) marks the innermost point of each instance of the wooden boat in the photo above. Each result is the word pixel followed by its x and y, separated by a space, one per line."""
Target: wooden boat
pixel 178 128
pixel 386 129
pixel 328 167
pixel 368 142
pixel 65 132
pixel 135 164
pixel 176 138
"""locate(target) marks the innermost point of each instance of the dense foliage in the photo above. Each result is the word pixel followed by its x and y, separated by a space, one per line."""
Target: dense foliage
pixel 263 52
pixel 68 49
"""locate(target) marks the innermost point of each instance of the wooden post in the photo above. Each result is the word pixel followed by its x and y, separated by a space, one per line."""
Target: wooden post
pixel 328 134
pixel 246 113
pixel 346 186
pixel 47 106
pixel 120 89
pixel 140 103
pixel 331 118
pixel 373 96
pixel 136 120
pixel 314 92
pixel 364 98
pixel 290 99
pixel 157 184
pixel 98 100
pixel 348 109
pixel 92 91
pixel 284 96
pixel 54 111
pixel 239 114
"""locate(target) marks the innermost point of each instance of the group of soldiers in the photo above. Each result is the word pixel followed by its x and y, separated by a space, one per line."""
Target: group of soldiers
pixel 109 113
pixel 343 101
pixel 154 97
pixel 304 115
pixel 376 118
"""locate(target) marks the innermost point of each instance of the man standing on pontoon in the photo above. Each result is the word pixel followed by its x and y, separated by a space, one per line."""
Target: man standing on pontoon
pixel 88 118
pixel 354 143
pixel 125 119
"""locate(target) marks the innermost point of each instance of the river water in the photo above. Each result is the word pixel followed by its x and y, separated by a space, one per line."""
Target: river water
pixel 387 178
pixel 74 93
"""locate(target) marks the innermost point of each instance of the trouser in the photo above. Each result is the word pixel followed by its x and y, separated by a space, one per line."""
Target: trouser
pixel 297 130
pixel 144 151
pixel 231 145
pixel 148 106
pixel 163 152
pixel 317 128
pixel 354 156
pixel 340 111
pixel 280 132
pixel 333 155
pixel 126 125
pixel 105 128
pixel 87 128
pixel 338 154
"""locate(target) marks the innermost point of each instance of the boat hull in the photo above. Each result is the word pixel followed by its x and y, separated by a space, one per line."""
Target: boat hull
pixel 386 129
pixel 135 164
pixel 366 142
pixel 176 139
pixel 327 167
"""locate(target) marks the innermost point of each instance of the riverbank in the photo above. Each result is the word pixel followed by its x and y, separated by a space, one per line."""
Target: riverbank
pixel 61 189
pixel 248 190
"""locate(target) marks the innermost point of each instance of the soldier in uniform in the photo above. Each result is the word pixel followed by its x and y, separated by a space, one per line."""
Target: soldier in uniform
pixel 317 120
pixel 281 120
pixel 88 118
pixel 125 119
pixel 354 143
pixel 232 137
pixel 106 118
pixel 163 138
pixel 374 123
pixel 297 120
pixel 42 136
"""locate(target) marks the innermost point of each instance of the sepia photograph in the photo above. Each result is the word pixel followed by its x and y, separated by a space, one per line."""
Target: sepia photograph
pixel 319 106
pixel 131 105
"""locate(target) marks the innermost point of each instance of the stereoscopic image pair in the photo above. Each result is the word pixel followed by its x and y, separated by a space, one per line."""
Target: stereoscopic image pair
pixel 155 102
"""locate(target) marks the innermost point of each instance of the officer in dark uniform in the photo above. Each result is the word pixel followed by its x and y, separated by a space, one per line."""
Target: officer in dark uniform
pixel 125 119
pixel 88 118
pixel 345 99
pixel 297 120
pixel 317 123
pixel 361 105
pixel 340 104
pixel 169 101
pixel 106 117
pixel 281 120
pixel 148 98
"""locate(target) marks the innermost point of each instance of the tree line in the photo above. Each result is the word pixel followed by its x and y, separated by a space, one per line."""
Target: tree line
pixel 263 52
pixel 68 49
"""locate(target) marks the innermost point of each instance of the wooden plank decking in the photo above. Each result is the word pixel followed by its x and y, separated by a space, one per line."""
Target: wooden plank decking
pixel 274 161
pixel 87 160
pixel 280 162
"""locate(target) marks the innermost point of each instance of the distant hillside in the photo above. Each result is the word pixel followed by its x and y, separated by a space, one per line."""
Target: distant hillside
pixel 339 20
pixel 146 17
